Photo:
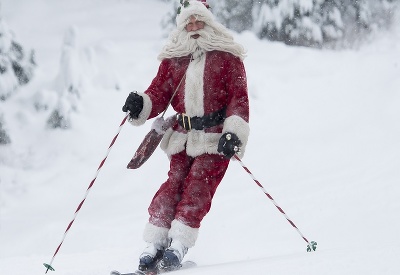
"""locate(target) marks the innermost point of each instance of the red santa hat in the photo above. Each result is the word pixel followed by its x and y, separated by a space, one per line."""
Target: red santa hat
pixel 193 7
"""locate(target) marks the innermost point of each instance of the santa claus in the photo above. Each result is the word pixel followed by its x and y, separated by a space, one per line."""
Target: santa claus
pixel 203 77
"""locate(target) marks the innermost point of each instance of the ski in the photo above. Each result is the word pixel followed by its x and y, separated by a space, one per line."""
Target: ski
pixel 184 265
pixel 137 272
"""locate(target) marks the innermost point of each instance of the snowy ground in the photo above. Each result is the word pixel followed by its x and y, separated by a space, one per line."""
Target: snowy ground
pixel 325 143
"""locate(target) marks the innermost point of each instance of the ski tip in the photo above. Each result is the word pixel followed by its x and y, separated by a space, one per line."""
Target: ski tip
pixel 114 272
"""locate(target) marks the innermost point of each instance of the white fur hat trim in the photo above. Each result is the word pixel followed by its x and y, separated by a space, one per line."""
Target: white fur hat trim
pixel 194 8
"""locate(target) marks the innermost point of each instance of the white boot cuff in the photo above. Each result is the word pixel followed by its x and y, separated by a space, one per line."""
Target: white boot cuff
pixel 156 235
pixel 183 233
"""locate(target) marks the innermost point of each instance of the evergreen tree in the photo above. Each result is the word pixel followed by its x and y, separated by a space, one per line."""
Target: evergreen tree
pixel 313 23
pixel 16 65
pixel 16 69
pixel 69 82
pixel 319 22
pixel 290 21
pixel 4 138
pixel 168 20
pixel 235 14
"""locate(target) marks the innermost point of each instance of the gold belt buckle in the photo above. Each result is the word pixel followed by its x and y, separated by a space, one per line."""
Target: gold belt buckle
pixel 184 123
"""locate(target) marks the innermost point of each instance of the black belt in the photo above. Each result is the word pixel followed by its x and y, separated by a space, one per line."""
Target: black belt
pixel 200 123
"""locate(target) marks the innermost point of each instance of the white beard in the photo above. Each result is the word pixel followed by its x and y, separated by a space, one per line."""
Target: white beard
pixel 181 43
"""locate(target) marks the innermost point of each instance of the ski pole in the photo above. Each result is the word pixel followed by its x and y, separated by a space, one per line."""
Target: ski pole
pixel 312 246
pixel 49 266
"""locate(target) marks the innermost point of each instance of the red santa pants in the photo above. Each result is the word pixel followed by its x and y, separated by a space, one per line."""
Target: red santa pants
pixel 186 195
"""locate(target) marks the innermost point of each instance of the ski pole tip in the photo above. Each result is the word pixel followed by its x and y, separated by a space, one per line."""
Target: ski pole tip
pixel 48 267
pixel 312 246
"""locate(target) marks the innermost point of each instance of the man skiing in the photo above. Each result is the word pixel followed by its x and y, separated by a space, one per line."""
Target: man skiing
pixel 203 75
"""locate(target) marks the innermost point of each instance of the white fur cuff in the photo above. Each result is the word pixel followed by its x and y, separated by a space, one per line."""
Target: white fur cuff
pixel 156 235
pixel 183 233
pixel 240 127
pixel 145 113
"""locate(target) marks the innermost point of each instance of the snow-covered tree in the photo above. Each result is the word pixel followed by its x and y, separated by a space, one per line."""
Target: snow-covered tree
pixel 168 20
pixel 16 68
pixel 81 69
pixel 4 138
pixel 235 14
pixel 314 23
pixel 320 22
pixel 290 21
pixel 16 64
pixel 70 81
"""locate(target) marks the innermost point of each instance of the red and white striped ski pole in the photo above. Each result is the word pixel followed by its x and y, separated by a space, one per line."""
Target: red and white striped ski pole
pixel 312 246
pixel 49 266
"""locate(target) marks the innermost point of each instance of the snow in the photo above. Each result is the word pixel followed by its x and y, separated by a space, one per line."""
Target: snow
pixel 325 143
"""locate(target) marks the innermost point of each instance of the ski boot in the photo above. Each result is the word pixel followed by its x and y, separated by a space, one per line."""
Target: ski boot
pixel 173 256
pixel 150 257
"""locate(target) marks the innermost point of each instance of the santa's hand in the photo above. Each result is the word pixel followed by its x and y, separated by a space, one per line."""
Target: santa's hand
pixel 229 144
pixel 133 104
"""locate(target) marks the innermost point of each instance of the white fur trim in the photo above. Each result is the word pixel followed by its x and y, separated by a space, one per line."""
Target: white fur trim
pixel 195 142
pixel 195 8
pixel 240 127
pixel 156 235
pixel 199 142
pixel 194 91
pixel 145 113
pixel 183 233
pixel 173 142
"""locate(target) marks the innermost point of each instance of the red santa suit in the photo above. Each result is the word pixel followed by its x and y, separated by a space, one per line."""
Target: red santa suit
pixel 205 82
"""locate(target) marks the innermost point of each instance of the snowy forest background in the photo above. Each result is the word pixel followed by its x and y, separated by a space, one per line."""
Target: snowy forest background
pixel 324 91
pixel 312 23
pixel 333 24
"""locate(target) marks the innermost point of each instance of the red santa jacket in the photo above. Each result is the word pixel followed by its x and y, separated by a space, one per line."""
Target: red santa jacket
pixel 213 81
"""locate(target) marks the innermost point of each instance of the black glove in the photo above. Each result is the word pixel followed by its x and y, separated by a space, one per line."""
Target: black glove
pixel 133 104
pixel 229 144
